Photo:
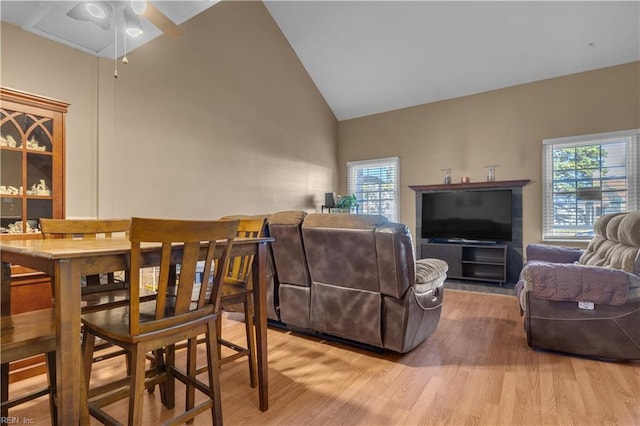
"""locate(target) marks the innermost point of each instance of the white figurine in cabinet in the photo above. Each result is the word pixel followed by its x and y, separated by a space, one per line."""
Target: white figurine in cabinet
pixel 10 190
pixel 41 189
pixel 8 141
pixel 33 145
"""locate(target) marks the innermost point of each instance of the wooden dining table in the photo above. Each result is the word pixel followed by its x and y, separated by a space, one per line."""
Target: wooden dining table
pixel 67 260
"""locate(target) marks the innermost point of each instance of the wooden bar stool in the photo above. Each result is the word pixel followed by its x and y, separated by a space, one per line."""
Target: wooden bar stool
pixel 157 325
pixel 23 336
pixel 96 295
pixel 101 292
pixel 237 291
pixel 237 296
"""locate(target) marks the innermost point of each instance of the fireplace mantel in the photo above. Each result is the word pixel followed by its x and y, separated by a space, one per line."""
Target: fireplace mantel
pixel 471 185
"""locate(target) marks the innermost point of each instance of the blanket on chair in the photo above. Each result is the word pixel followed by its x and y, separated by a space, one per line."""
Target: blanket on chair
pixel 579 283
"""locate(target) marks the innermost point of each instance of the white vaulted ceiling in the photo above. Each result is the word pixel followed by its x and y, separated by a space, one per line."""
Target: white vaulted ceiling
pixel 373 56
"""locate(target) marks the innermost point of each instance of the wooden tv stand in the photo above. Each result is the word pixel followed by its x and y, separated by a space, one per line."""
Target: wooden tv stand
pixel 469 261
pixel 491 263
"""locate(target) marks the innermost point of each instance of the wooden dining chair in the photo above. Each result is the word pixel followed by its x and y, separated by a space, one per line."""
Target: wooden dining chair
pixel 157 325
pixel 237 296
pixel 237 292
pixel 23 336
pixel 100 292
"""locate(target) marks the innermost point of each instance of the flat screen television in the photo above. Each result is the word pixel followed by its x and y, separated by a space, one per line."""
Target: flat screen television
pixel 467 215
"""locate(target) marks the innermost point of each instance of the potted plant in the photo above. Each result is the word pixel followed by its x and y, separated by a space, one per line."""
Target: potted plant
pixel 346 203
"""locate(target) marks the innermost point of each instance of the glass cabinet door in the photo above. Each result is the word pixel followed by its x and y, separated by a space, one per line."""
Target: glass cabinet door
pixel 30 166
pixel 11 175
pixel 39 161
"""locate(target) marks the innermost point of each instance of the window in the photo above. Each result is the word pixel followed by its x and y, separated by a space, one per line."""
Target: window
pixel 375 185
pixel 585 177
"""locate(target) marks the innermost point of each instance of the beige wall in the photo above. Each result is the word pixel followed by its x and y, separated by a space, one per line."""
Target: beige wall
pixel 503 127
pixel 36 65
pixel 222 120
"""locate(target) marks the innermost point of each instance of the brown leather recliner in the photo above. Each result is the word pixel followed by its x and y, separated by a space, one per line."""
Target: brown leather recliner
pixel 294 285
pixel 363 284
pixel 586 302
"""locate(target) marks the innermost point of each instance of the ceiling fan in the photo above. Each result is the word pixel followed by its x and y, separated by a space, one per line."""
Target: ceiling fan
pixel 101 12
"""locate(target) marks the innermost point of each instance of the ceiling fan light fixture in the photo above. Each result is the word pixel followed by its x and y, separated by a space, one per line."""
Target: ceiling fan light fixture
pixel 133 28
pixel 78 12
pixel 83 12
pixel 139 7
pixel 98 9
pixel 134 32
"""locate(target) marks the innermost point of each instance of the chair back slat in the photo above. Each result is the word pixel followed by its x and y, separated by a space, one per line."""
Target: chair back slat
pixel 197 240
pixel 86 229
pixel 83 228
pixel 240 266
pixel 190 256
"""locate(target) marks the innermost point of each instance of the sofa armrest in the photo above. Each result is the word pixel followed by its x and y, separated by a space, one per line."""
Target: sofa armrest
pixel 430 273
pixel 555 254
pixel 579 283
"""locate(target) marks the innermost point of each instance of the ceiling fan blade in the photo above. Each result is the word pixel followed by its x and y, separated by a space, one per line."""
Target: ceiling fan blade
pixel 159 19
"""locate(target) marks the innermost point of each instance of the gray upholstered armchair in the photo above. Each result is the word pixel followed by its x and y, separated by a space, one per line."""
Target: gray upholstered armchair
pixel 586 302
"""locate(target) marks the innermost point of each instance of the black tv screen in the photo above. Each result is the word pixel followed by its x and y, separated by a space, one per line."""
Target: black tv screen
pixel 467 215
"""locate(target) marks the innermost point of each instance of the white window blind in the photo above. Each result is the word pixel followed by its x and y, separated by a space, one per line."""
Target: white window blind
pixel 375 185
pixel 585 177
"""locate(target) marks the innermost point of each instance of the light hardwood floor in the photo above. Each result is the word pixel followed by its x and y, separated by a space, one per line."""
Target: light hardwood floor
pixel 476 369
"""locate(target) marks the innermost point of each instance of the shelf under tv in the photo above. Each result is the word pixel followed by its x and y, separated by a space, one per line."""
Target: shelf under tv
pixel 476 262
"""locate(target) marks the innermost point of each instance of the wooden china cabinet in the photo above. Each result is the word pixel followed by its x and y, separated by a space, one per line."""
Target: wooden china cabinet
pixel 32 135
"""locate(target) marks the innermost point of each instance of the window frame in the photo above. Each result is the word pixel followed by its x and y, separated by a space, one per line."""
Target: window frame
pixel 354 166
pixel 631 138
